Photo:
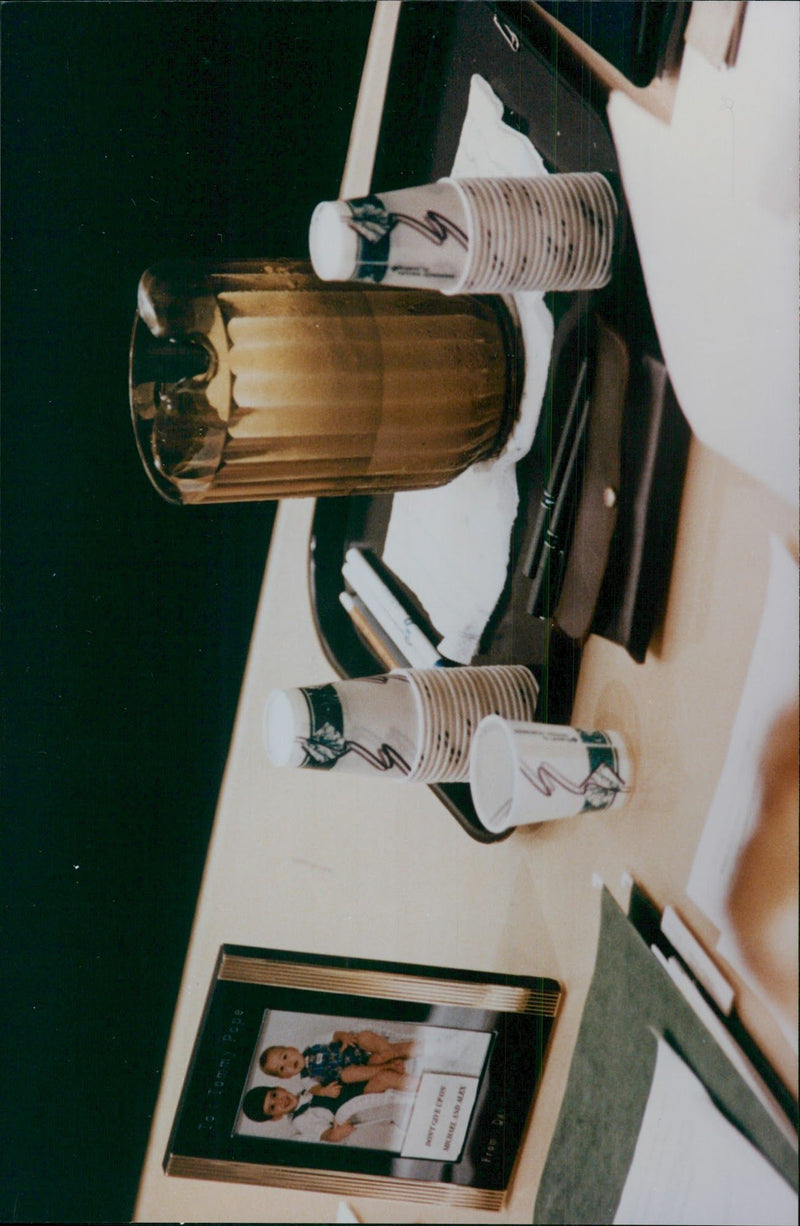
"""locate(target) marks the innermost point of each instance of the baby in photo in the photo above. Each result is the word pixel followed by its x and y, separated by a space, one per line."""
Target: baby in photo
pixel 344 1059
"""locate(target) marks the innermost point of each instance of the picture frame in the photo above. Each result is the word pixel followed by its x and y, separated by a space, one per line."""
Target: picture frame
pixel 401 1081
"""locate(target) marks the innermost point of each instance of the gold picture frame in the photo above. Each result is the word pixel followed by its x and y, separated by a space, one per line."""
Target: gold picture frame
pixel 418 1083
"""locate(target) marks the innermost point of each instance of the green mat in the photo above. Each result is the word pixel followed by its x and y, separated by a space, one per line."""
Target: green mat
pixel 611 1073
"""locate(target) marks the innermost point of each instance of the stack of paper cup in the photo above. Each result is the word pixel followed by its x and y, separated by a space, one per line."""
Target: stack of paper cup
pixel 554 232
pixel 479 236
pixel 522 772
pixel 451 704
pixel 414 724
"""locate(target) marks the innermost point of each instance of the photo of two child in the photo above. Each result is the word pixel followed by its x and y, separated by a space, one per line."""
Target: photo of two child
pixel 346 1080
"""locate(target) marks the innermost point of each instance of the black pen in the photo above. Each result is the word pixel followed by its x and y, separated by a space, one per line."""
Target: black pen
pixel 554 538
pixel 553 478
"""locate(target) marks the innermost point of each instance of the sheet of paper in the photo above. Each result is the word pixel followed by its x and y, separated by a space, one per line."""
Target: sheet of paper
pixel 440 1119
pixel 692 1166
pixel 770 686
pixel 451 545
pixel 713 196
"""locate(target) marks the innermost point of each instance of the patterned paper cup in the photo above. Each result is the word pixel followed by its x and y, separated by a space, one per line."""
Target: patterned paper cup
pixel 552 232
pixel 414 236
pixel 523 773
pixel 367 726
pixel 411 724
pixel 452 702
pixel 473 235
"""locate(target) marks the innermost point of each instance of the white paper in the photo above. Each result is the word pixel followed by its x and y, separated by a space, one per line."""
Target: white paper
pixel 713 197
pixel 770 686
pixel 692 1166
pixel 726 1042
pixel 440 1119
pixel 451 545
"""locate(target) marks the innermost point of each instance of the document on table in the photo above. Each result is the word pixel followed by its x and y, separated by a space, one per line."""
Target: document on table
pixel 692 1166
pixel 713 196
pixel 770 686
pixel 611 1080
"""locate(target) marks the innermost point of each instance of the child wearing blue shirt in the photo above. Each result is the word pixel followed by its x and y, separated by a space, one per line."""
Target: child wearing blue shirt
pixel 344 1059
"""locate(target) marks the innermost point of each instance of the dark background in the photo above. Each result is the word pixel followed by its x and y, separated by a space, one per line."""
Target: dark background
pixel 130 132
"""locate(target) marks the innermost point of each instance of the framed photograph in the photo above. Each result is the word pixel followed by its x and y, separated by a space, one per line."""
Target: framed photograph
pixel 362 1078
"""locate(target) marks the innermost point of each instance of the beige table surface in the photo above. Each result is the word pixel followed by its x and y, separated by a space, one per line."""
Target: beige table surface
pixel 431 894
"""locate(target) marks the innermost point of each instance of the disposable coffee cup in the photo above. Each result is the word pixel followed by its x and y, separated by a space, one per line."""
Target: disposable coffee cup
pixel 564 229
pixel 413 724
pixel 523 773
pixel 473 236
pixel 451 704
pixel 364 726
pixel 412 237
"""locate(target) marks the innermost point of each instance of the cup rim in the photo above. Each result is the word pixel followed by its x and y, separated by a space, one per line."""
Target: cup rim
pixel 493 817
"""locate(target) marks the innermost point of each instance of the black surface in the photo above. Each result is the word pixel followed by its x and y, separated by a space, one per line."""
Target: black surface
pixel 130 132
pixel 204 1127
pixel 439 47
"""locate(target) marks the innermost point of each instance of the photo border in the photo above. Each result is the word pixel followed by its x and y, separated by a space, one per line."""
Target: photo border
pixel 519 1011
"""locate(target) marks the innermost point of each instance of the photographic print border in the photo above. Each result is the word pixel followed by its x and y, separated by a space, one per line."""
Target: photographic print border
pixel 518 1013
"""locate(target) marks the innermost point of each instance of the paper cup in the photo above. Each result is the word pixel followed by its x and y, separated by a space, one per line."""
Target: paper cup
pixel 552 232
pixel 527 220
pixel 452 703
pixel 574 253
pixel 480 236
pixel 367 726
pixel 435 722
pixel 412 724
pixel 523 773
pixel 415 236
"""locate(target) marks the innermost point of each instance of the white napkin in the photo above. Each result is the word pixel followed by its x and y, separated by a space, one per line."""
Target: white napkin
pixel 451 545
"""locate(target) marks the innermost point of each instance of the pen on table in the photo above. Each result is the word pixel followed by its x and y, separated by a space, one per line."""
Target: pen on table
pixel 389 613
pixel 725 1041
pixel 379 644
